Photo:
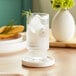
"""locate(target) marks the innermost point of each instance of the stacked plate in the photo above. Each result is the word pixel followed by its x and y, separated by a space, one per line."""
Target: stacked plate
pixel 13 45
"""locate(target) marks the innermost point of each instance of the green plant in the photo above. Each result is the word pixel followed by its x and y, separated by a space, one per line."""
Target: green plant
pixel 24 13
pixel 8 27
pixel 62 4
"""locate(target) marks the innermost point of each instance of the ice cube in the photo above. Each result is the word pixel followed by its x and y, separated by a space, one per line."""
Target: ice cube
pixel 45 17
pixel 35 23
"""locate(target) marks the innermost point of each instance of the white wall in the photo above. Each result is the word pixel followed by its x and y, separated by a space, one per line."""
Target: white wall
pixel 45 6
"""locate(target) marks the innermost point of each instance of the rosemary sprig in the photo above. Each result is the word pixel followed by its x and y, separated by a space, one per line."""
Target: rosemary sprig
pixel 25 13
pixel 8 28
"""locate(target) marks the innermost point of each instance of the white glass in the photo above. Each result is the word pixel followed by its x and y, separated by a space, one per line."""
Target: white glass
pixel 37 36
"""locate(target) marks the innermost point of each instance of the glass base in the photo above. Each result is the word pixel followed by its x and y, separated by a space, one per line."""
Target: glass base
pixel 32 62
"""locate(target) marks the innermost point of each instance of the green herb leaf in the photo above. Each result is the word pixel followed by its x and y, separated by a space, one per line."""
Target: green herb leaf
pixel 25 13
pixel 8 27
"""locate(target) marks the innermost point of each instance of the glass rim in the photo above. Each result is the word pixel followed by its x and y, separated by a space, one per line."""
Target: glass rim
pixel 39 13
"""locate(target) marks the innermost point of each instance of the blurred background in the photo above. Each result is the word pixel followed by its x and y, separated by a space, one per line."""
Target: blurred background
pixel 45 6
pixel 12 9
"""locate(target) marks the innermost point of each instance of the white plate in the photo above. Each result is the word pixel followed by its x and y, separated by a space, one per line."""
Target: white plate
pixel 15 40
pixel 14 45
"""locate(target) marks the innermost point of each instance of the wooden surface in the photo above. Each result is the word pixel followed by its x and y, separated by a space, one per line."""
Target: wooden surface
pixel 65 64
pixel 54 43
